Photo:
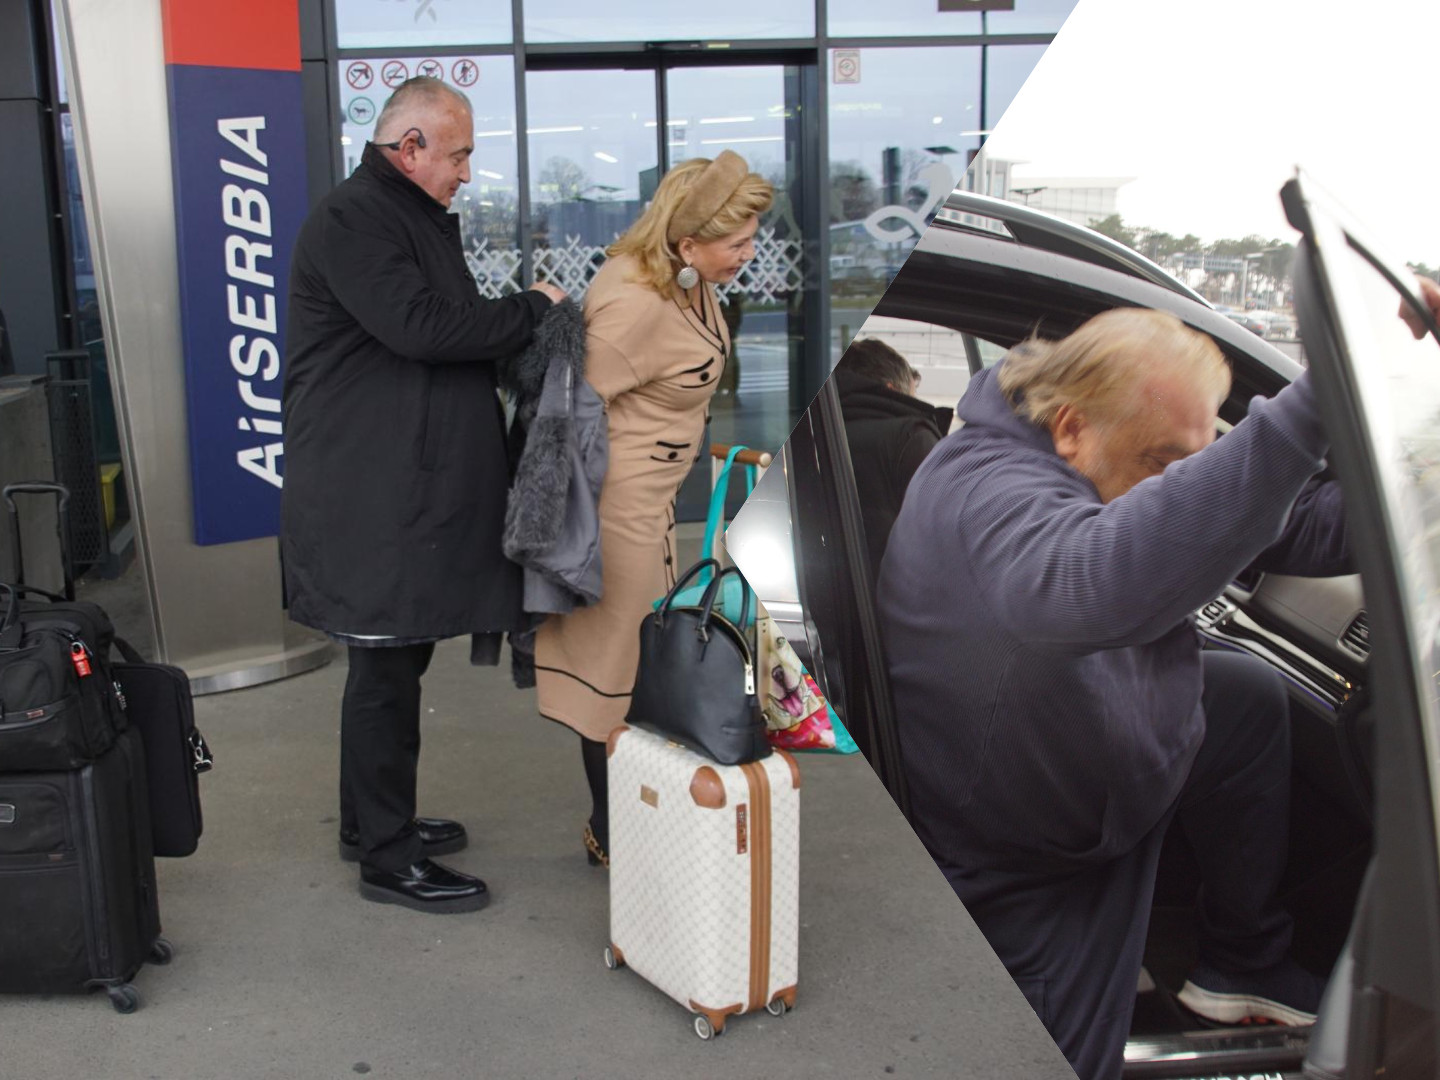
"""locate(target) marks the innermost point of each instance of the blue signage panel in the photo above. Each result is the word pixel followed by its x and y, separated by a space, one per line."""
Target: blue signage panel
pixel 238 144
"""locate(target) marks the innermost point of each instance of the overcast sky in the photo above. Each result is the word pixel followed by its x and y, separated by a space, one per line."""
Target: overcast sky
pixel 1210 104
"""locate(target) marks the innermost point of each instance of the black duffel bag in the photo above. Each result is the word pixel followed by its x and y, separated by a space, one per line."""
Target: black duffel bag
pixel 697 679
pixel 59 707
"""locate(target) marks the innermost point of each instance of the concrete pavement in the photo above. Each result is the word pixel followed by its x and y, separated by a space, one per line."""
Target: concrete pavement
pixel 284 972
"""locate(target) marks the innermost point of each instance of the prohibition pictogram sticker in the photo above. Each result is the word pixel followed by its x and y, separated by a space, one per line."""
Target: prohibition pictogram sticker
pixel 361 111
pixel 431 69
pixel 394 73
pixel 465 73
pixel 359 75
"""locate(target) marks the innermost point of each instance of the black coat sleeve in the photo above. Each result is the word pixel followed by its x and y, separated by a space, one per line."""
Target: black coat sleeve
pixel 382 286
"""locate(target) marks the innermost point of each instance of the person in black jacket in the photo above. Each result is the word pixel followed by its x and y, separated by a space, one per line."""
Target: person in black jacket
pixel 397 469
pixel 890 431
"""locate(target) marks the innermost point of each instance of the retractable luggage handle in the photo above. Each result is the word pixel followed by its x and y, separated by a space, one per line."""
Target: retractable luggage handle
pixel 62 528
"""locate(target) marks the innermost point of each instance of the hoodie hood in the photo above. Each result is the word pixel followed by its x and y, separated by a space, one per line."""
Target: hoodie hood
pixel 864 398
pixel 984 408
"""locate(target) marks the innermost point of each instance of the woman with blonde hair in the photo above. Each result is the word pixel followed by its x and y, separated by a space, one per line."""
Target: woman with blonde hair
pixel 656 346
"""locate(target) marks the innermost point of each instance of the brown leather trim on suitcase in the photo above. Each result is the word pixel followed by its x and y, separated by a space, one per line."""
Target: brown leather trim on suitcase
pixel 707 789
pixel 789 759
pixel 759 784
pixel 613 739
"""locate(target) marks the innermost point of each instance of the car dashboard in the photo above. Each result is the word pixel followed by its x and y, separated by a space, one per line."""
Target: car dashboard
pixel 1311 630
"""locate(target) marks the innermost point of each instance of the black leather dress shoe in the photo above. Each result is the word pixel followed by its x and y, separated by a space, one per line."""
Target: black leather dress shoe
pixel 426 886
pixel 437 837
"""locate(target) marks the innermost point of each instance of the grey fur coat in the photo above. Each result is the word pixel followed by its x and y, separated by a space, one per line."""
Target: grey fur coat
pixel 552 520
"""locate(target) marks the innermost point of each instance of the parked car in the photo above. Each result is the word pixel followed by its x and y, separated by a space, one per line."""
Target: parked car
pixel 1250 320
pixel 1275 325
pixel 1363 878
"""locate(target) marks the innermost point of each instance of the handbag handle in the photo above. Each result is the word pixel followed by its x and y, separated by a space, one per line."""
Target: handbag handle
pixel 712 593
pixel 703 564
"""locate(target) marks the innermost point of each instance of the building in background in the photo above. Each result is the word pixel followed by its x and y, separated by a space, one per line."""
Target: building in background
pixel 864 117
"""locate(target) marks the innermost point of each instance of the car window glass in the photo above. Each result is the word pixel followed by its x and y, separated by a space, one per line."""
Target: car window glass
pixel 990 353
pixel 936 352
pixel 1405 428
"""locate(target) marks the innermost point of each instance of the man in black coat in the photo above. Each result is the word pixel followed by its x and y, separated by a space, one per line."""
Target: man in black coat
pixel 396 468
pixel 890 431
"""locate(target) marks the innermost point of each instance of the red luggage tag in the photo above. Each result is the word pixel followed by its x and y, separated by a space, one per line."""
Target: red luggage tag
pixel 79 659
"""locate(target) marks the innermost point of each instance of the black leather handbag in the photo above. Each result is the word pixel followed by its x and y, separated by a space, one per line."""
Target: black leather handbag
pixel 697 682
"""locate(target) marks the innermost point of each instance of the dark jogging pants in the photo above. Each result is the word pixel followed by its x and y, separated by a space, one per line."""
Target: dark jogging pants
pixel 380 752
pixel 1074 942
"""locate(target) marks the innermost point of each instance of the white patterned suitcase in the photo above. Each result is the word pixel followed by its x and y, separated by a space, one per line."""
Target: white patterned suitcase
pixel 705 876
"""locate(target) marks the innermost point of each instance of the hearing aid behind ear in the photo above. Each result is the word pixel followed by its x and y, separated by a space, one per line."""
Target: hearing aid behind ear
pixel 419 140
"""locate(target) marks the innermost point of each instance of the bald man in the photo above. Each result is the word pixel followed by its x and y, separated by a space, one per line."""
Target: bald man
pixel 397 470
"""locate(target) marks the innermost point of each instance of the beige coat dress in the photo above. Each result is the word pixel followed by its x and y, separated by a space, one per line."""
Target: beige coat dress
pixel 656 364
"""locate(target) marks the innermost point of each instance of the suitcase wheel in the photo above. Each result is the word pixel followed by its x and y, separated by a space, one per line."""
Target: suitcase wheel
pixel 777 1007
pixel 162 952
pixel 125 998
pixel 707 1030
pixel 612 961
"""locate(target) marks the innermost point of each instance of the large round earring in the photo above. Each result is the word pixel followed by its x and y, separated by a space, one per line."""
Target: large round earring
pixel 688 278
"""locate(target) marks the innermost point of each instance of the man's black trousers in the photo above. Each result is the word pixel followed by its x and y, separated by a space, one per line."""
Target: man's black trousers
pixel 1074 941
pixel 380 752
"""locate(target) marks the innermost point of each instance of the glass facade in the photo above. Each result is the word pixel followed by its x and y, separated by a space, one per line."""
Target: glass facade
pixel 1005 72
pixel 639 20
pixel 394 24
pixel 864 120
pixel 898 18
pixel 902 130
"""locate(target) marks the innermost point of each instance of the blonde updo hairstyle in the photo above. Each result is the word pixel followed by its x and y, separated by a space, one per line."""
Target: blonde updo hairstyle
pixel 1099 368
pixel 648 240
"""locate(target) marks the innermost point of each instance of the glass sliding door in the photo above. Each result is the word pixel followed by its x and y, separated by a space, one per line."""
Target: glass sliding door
pixel 593 166
pixel 594 137
pixel 753 111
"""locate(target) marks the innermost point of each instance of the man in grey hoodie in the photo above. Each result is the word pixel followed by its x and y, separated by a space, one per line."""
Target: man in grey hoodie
pixel 1058 545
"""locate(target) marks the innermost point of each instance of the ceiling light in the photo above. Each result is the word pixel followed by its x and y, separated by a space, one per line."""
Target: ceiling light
pixel 488 174
pixel 728 120
pixel 612 159
pixel 492 134
pixel 553 130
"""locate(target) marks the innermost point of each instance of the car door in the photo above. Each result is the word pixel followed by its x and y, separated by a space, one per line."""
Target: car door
pixel 1379 393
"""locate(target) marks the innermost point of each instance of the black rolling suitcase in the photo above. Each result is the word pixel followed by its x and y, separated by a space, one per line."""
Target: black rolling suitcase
pixel 154 698
pixel 78 904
